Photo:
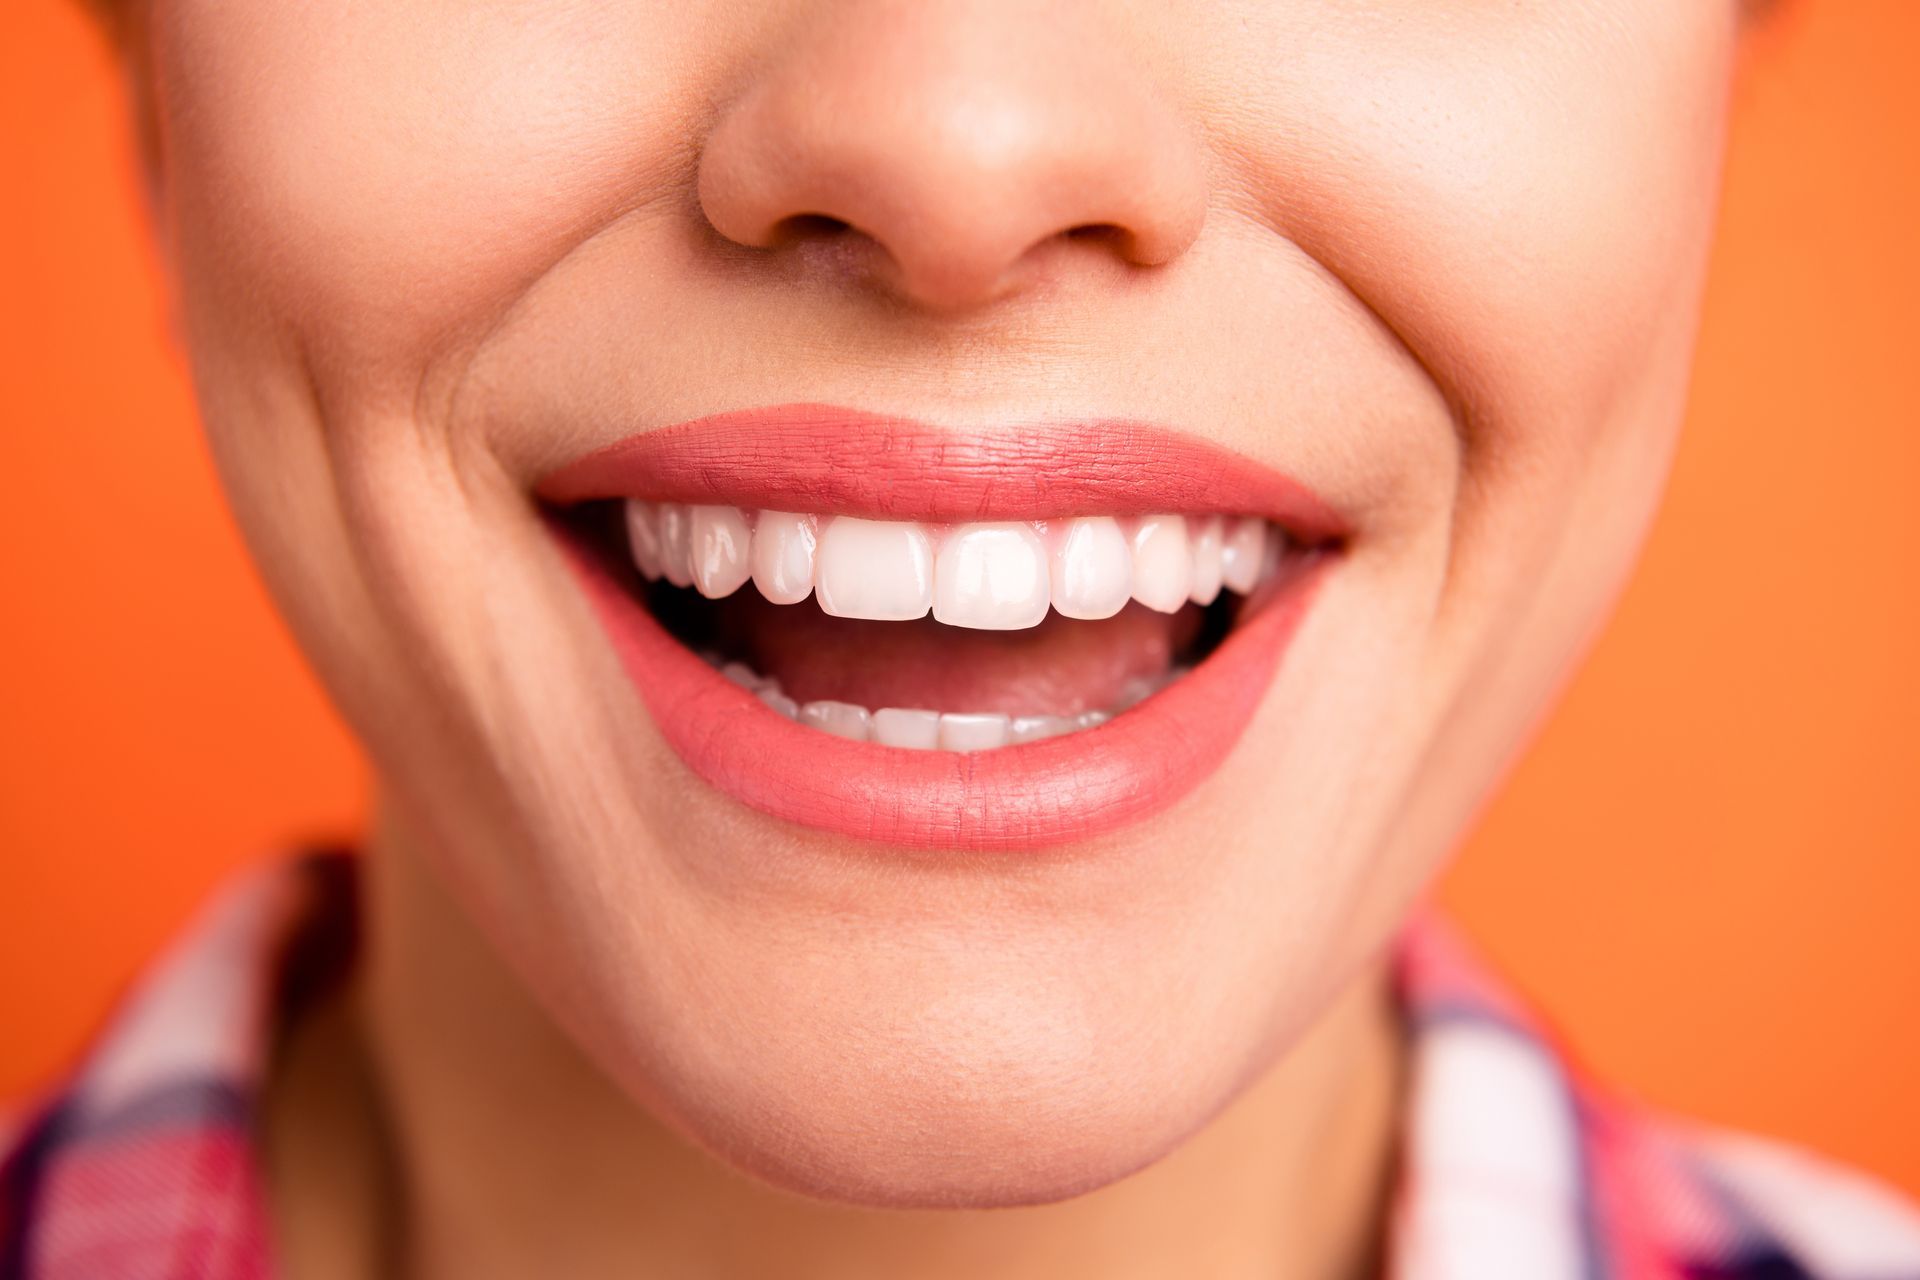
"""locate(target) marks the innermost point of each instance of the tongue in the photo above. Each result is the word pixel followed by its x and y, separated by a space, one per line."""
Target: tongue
pixel 1063 666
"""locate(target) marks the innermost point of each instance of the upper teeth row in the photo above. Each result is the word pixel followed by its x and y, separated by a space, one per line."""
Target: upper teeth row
pixel 993 576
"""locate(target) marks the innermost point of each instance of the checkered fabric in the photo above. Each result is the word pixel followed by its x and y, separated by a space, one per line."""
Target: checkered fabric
pixel 1512 1166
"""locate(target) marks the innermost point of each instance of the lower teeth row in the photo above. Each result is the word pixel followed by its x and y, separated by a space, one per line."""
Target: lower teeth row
pixel 922 730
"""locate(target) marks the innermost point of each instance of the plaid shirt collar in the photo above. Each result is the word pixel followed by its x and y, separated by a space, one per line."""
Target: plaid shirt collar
pixel 1512 1165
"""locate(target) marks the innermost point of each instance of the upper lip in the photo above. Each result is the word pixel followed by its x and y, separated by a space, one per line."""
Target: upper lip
pixel 830 460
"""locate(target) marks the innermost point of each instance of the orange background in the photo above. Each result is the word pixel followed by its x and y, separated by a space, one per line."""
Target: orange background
pixel 1708 871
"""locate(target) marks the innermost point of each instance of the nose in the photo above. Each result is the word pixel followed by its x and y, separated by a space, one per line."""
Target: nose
pixel 961 141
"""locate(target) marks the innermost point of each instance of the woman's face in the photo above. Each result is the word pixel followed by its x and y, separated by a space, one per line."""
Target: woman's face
pixel 1413 283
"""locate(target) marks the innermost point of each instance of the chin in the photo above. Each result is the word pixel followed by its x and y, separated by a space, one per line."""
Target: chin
pixel 969 1122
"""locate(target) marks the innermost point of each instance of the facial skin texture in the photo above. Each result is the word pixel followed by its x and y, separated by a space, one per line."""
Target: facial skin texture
pixel 1441 261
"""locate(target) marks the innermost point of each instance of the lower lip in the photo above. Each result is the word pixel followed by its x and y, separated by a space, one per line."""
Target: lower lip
pixel 1029 796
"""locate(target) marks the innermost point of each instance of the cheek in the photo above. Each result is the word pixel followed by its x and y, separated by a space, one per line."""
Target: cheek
pixel 380 177
pixel 1570 230
pixel 1520 194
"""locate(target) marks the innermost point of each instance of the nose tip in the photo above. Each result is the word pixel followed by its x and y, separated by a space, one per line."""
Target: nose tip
pixel 961 144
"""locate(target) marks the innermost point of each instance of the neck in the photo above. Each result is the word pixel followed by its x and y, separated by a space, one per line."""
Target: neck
pixel 424 1163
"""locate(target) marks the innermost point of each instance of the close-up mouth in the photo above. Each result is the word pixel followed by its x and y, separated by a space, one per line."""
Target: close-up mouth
pixel 922 639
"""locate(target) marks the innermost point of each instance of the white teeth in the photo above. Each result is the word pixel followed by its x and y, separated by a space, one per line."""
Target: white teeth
pixel 877 569
pixel 962 732
pixel 841 719
pixel 743 675
pixel 719 537
pixel 780 702
pixel 998 576
pixel 783 547
pixel 921 730
pixel 1162 563
pixel 1207 567
pixel 896 727
pixel 676 543
pixel 1243 554
pixel 1092 568
pixel 1034 728
pixel 992 577
pixel 643 538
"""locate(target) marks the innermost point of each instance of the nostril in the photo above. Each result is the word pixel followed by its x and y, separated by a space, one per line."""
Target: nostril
pixel 1107 236
pixel 810 226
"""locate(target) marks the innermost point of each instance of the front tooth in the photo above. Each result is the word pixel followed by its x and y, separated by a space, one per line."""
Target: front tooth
pixel 643 537
pixel 877 569
pixel 1207 566
pixel 783 547
pixel 991 577
pixel 1092 569
pixel 676 543
pixel 1162 563
pixel 968 732
pixel 1034 728
pixel 719 537
pixel 901 727
pixel 1242 554
pixel 841 719
pixel 780 702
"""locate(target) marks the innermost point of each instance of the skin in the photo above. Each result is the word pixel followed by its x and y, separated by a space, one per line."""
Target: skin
pixel 1440 261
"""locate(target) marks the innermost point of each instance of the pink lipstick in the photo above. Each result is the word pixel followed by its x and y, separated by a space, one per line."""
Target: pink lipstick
pixel 919 637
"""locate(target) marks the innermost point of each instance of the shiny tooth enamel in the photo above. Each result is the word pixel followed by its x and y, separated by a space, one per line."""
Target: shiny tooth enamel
pixel 923 730
pixel 972 732
pixel 991 577
pixel 643 538
pixel 1162 562
pixel 676 543
pixel 905 727
pixel 1034 728
pixel 841 719
pixel 780 702
pixel 1243 554
pixel 720 550
pixel 782 558
pixel 876 569
pixel 1207 535
pixel 1092 568
pixel 1000 575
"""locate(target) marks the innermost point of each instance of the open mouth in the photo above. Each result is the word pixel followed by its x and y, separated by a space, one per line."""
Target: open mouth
pixel 951 637
pixel 881 636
